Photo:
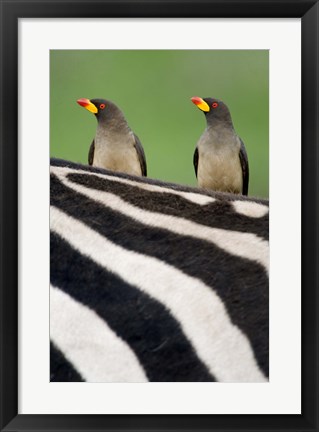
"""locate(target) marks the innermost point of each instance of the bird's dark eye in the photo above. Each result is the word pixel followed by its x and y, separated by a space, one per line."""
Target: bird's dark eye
pixel 102 106
pixel 215 105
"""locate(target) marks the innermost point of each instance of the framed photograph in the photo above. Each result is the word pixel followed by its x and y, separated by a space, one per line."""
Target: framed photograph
pixel 206 334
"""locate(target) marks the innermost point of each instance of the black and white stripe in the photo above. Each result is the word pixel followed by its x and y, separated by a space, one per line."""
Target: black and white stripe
pixel 155 282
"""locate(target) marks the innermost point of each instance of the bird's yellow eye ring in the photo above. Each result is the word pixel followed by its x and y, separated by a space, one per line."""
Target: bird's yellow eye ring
pixel 215 105
pixel 102 106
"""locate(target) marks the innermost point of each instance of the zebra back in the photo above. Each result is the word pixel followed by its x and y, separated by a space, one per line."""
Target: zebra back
pixel 152 281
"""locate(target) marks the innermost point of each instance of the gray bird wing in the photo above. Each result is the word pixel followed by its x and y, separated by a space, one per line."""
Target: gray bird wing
pixel 91 153
pixel 141 155
pixel 195 160
pixel 244 166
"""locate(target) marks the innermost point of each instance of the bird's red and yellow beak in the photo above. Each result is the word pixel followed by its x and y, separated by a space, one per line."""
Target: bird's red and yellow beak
pixel 200 103
pixel 87 104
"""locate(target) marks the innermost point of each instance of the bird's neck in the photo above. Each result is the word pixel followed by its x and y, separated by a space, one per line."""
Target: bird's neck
pixel 216 135
pixel 216 124
pixel 112 135
pixel 112 126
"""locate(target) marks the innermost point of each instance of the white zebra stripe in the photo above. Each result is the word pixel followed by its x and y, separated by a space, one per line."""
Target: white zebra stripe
pixel 96 352
pixel 246 245
pixel 202 315
pixel 193 197
pixel 250 208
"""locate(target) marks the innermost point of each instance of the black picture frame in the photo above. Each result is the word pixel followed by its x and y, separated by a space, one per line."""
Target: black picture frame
pixel 11 11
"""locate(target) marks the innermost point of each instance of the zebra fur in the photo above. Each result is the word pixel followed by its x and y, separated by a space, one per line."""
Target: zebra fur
pixel 152 281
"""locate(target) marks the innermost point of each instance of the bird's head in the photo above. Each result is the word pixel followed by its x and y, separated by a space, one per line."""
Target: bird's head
pixel 104 110
pixel 214 109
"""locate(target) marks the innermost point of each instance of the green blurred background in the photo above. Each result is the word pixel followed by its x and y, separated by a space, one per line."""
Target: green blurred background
pixel 153 89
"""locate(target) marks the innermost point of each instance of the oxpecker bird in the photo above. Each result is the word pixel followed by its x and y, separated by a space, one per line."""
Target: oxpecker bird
pixel 220 157
pixel 114 146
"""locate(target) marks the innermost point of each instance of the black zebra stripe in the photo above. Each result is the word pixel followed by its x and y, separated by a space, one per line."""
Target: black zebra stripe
pixel 61 369
pixel 224 215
